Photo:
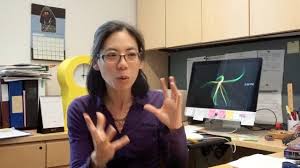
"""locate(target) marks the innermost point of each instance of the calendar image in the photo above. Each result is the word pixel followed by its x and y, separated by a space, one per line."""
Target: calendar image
pixel 47 33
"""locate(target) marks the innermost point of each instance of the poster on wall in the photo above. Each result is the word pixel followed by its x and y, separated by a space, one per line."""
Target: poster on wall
pixel 47 33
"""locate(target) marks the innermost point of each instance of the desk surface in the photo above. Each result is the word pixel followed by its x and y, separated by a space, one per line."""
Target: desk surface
pixel 257 141
pixel 278 154
pixel 35 137
pixel 253 140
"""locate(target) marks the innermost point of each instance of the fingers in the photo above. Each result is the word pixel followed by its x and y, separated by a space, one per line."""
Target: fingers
pixel 179 108
pixel 90 125
pixel 174 90
pixel 179 101
pixel 106 137
pixel 171 79
pixel 118 144
pixel 164 87
pixel 177 96
pixel 110 133
pixel 100 121
pixel 155 111
pixel 151 108
pixel 97 133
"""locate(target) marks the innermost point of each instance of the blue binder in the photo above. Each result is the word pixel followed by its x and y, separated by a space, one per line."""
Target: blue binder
pixel 16 111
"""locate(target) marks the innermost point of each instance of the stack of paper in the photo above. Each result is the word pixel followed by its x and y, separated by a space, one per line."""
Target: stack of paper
pixel 192 134
pixel 23 72
pixel 12 133
pixel 258 161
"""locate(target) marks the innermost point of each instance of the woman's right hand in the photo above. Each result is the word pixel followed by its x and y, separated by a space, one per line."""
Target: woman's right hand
pixel 104 148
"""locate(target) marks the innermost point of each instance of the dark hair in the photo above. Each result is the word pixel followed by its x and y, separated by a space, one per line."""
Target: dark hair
pixel 95 82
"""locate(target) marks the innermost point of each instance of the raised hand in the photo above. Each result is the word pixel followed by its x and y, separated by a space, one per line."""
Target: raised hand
pixel 104 148
pixel 171 110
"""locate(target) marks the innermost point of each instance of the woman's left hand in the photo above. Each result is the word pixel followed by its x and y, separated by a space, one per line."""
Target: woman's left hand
pixel 170 113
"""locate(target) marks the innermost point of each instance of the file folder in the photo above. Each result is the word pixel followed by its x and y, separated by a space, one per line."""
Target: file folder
pixel 31 103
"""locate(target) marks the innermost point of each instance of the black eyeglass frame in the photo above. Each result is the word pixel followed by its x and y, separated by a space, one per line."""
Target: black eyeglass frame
pixel 120 55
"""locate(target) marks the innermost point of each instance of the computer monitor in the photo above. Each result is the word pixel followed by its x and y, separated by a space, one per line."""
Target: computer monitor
pixel 224 90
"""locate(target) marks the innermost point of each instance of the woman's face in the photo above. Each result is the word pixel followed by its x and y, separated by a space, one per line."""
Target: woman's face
pixel 119 73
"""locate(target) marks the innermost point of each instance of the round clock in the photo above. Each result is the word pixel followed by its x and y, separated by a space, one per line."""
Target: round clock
pixel 80 74
pixel 71 75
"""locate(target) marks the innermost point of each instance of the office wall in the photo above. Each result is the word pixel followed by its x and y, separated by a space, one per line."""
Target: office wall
pixel 82 19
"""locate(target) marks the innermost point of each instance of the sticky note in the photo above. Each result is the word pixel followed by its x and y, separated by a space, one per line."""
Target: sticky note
pixel 189 111
pixel 229 115
pixel 221 114
pixel 211 113
pixel 292 47
pixel 247 118
pixel 198 116
pixel 17 105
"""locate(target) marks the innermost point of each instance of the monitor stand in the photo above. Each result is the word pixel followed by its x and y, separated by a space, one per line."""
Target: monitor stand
pixel 221 125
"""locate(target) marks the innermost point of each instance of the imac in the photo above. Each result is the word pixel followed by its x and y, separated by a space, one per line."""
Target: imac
pixel 224 90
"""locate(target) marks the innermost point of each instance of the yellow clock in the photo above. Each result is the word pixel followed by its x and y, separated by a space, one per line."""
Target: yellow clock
pixel 71 75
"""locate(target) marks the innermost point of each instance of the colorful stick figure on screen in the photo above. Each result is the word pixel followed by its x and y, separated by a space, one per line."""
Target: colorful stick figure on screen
pixel 219 93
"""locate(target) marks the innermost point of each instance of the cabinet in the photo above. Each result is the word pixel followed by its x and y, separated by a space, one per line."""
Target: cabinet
pixel 183 22
pixel 36 151
pixel 151 22
pixel 171 23
pixel 270 16
pixel 224 19
pixel 57 153
pixel 21 155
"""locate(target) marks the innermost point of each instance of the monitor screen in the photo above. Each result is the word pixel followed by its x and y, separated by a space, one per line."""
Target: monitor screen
pixel 224 89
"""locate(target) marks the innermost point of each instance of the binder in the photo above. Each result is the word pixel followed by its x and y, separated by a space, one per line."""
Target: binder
pixel 16 112
pixel 4 105
pixel 30 87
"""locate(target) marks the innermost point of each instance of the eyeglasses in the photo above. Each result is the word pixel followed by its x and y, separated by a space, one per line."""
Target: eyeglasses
pixel 114 57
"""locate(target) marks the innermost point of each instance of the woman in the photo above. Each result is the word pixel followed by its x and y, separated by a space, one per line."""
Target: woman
pixel 121 123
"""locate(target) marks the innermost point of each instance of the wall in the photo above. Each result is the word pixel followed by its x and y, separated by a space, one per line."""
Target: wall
pixel 82 19
pixel 155 67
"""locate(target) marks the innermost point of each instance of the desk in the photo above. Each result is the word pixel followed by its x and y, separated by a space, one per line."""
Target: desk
pixel 247 141
pixel 278 154
pixel 275 146
pixel 36 151
pixel 260 144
